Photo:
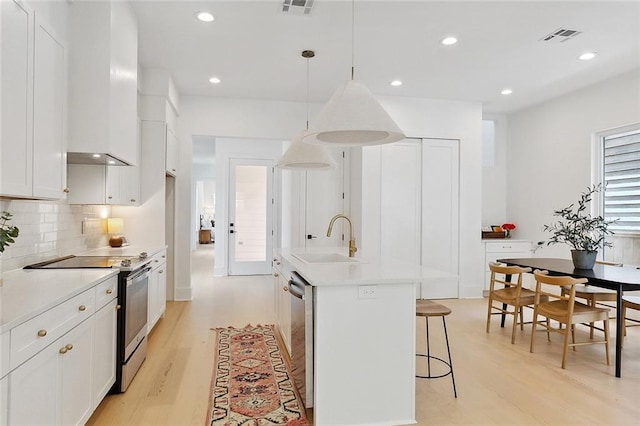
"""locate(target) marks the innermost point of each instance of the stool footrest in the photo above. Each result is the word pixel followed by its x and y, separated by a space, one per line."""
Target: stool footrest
pixel 438 359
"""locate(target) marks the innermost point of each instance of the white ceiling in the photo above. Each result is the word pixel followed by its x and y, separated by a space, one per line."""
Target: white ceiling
pixel 255 49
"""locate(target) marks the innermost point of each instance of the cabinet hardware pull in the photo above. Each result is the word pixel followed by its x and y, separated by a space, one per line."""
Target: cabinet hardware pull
pixel 82 308
pixel 109 291
pixel 66 190
pixel 109 197
pixel 63 350
pixel 133 200
pixel 173 170
pixel 161 271
pixel 285 288
pixel 277 263
pixel 118 307
pixel 163 256
pixel 275 259
pixel 69 346
pixel 156 261
pixel 42 333
pixel 275 274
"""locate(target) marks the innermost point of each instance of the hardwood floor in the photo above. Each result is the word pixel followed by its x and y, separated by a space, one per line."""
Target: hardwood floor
pixel 497 382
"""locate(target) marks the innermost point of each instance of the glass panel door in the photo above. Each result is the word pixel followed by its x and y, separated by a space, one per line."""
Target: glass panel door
pixel 250 217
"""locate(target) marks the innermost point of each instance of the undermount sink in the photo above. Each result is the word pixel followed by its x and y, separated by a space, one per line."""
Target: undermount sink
pixel 324 258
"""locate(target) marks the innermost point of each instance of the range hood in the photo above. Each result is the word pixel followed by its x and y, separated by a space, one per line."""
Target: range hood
pixel 94 158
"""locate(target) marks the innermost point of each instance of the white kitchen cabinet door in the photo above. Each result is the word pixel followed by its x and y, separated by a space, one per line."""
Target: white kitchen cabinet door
pixel 122 185
pixel 49 159
pixel 35 389
pixel 284 309
pixel 440 215
pixel 171 156
pixel 157 294
pixel 103 374
pixel 16 26
pixel 75 372
pixel 4 401
pixel 86 184
pixel 325 198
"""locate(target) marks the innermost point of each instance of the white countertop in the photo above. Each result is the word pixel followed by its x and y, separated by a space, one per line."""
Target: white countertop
pixel 26 293
pixel 365 271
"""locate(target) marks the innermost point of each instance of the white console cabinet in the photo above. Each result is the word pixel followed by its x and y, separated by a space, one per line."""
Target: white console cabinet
pixel 501 249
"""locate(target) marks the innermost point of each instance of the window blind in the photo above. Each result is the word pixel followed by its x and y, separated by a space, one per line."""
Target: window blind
pixel 622 179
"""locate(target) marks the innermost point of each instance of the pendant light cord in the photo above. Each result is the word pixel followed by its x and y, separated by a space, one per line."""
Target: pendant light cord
pixel 353 37
pixel 307 93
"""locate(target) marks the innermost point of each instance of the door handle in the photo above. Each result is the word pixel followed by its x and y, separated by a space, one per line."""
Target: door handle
pixel 231 231
pixel 309 236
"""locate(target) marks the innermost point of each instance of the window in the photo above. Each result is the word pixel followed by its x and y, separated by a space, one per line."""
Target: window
pixel 621 175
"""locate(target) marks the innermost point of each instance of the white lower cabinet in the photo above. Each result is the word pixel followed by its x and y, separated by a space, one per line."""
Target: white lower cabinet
pixel 283 304
pixel 54 387
pixel 103 374
pixel 503 249
pixel 157 290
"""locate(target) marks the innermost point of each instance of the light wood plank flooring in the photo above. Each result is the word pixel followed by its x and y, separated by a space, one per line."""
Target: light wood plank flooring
pixel 498 383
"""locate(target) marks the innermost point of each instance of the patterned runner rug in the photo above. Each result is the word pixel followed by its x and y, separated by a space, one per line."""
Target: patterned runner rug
pixel 251 385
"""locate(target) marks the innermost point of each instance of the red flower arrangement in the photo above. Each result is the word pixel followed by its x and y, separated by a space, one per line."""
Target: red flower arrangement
pixel 508 227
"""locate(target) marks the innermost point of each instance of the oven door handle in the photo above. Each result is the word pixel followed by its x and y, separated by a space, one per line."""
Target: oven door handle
pixel 138 276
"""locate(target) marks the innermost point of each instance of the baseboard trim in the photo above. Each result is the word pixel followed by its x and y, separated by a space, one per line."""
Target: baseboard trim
pixel 183 294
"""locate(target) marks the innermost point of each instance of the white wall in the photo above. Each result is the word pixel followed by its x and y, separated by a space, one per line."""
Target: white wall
pixel 282 120
pixel 494 175
pixel 549 156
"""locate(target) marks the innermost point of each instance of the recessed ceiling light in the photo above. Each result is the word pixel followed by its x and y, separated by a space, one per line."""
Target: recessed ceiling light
pixel 449 41
pixel 506 92
pixel 588 55
pixel 396 83
pixel 214 80
pixel 96 155
pixel 205 16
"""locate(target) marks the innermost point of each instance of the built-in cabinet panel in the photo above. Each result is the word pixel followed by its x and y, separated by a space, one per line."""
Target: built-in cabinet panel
pixel 282 299
pixel 75 365
pixel 33 105
pixel 115 185
pixel 171 158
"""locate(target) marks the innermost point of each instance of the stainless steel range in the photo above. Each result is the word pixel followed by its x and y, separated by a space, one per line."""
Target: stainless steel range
pixel 133 282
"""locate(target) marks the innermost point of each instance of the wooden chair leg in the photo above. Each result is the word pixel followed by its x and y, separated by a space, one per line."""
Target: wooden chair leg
pixel 534 325
pixel 606 340
pixel 566 345
pixel 490 307
pixel 515 323
pixel 573 335
pixel 521 317
pixel 548 328
pixel 591 302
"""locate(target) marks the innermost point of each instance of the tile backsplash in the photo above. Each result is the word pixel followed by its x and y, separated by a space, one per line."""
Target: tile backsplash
pixel 51 229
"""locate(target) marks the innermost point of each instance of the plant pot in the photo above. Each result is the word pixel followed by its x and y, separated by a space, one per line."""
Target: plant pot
pixel 583 259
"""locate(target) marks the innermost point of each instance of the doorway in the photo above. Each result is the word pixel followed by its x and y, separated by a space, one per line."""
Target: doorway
pixel 250 216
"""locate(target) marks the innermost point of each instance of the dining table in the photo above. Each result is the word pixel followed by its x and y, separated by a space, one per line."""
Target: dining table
pixel 613 277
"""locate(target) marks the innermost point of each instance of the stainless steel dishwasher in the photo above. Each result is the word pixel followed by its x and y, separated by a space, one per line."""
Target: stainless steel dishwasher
pixel 302 336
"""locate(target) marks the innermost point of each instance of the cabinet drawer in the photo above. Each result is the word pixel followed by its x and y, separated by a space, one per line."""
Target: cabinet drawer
pixel 508 247
pixel 32 336
pixel 158 259
pixel 105 291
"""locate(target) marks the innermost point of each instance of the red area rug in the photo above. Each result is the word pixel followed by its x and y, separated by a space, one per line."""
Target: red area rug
pixel 251 384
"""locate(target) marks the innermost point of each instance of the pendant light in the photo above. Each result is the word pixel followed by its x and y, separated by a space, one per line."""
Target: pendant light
pixel 301 155
pixel 353 117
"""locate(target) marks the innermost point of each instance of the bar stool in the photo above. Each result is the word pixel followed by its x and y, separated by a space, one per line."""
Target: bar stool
pixel 426 309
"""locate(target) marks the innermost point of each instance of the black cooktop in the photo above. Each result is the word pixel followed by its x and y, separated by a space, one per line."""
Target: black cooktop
pixel 80 262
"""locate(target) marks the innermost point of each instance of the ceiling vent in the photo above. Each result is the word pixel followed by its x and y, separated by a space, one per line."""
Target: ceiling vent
pixel 297 7
pixel 561 35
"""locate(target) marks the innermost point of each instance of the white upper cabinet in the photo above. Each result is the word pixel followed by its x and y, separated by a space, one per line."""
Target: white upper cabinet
pixel 171 156
pixel 103 70
pixel 33 100
pixel 115 185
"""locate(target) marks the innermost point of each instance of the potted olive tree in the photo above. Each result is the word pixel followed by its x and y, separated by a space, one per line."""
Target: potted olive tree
pixel 583 232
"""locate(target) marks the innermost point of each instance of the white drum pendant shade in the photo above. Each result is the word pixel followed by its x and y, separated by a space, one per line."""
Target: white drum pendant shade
pixel 353 117
pixel 305 156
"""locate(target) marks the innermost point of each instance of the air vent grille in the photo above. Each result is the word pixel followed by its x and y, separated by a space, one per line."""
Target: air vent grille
pixel 560 35
pixel 297 7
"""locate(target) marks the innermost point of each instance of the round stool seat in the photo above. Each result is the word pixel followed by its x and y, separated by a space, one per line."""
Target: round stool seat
pixel 428 308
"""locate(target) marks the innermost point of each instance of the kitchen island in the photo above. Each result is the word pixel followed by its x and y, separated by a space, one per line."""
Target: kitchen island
pixel 364 336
